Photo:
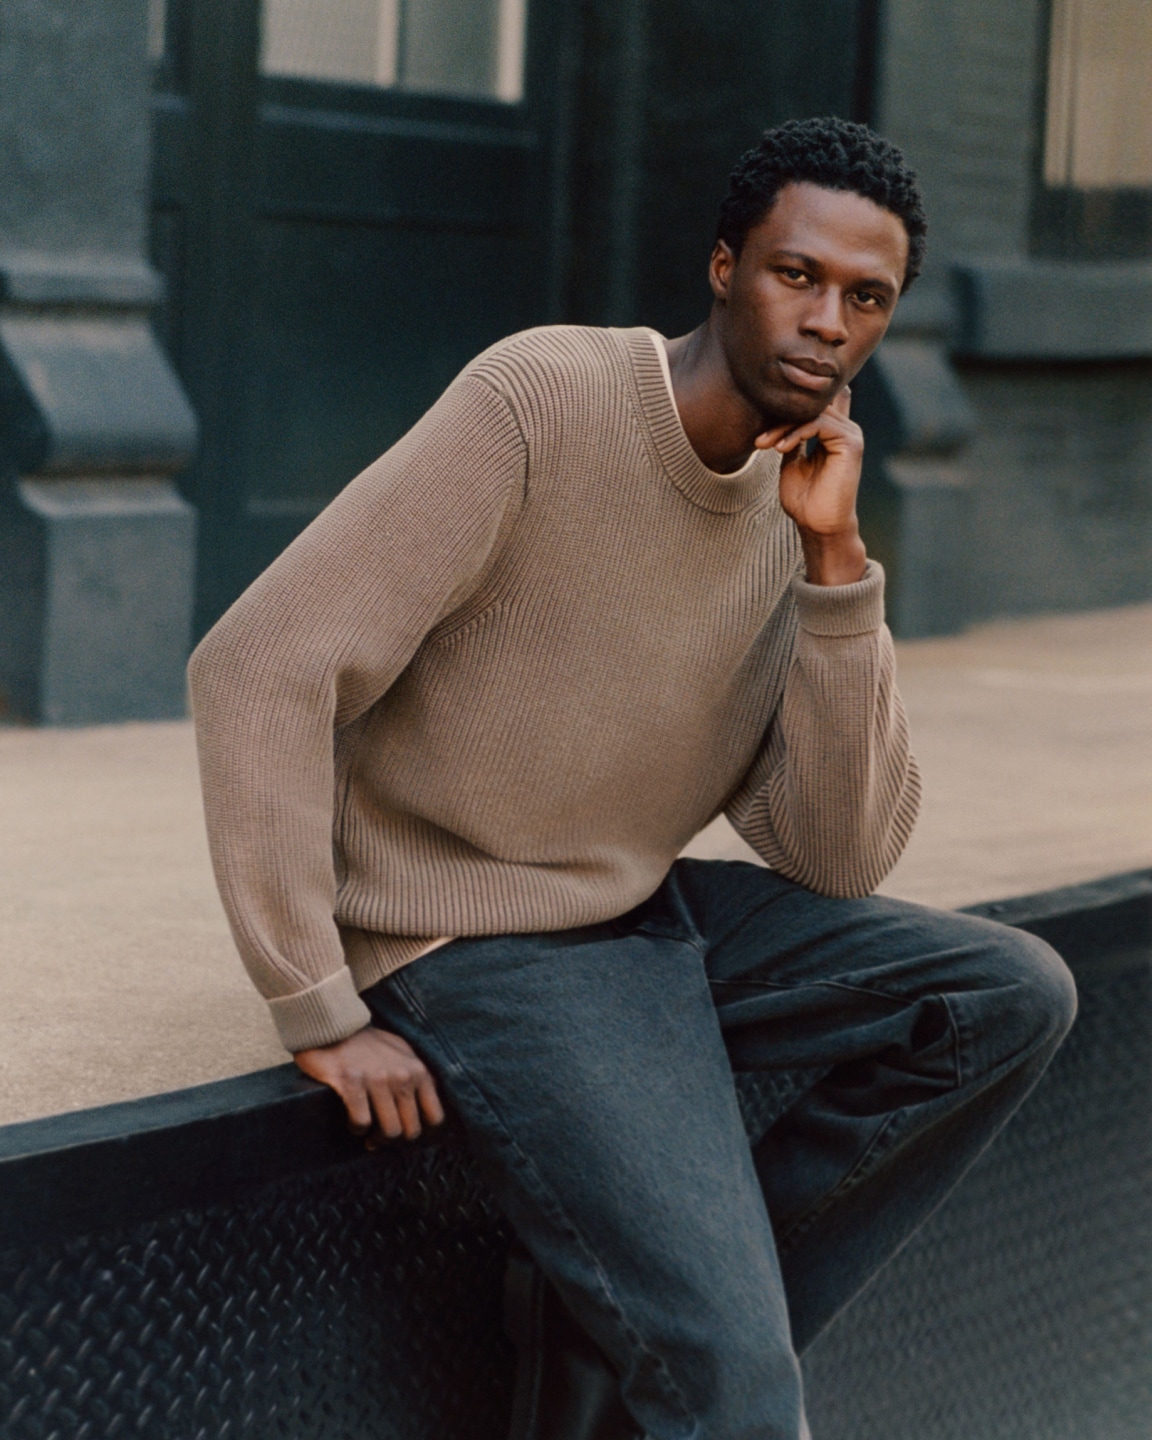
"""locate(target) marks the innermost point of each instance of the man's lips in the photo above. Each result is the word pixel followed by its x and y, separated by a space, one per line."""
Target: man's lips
pixel 808 374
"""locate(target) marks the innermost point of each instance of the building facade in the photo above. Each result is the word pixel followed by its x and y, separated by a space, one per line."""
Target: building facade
pixel 1031 126
pixel 347 199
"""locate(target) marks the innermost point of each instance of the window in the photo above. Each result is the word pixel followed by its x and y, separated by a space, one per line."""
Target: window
pixel 1096 171
pixel 1099 123
pixel 472 49
pixel 157 26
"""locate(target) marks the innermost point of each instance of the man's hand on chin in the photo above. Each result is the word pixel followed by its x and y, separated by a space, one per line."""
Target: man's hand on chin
pixel 819 490
pixel 384 1084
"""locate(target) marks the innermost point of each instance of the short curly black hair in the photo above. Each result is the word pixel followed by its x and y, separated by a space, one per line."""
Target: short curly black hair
pixel 838 154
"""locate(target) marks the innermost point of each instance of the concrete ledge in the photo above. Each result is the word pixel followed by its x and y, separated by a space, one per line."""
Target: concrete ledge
pixel 118 1164
pixel 1054 310
pixel 1083 921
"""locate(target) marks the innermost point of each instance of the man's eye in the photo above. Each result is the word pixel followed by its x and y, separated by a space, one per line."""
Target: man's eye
pixel 792 274
pixel 866 297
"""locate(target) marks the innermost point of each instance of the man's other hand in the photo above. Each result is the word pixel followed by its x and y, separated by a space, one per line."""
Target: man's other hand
pixel 384 1084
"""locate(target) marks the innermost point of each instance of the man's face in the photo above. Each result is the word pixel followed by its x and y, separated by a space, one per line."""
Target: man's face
pixel 808 298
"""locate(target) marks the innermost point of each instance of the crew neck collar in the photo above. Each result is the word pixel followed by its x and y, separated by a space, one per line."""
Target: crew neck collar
pixel 755 483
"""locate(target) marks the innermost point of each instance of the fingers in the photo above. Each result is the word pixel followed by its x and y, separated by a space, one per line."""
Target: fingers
pixel 409 1115
pixel 407 1092
pixel 834 431
pixel 324 1064
pixel 786 437
pixel 384 1085
pixel 818 428
pixel 398 1099
pixel 389 1122
pixel 430 1101
pixel 395 1108
pixel 359 1110
pixel 793 444
pixel 768 438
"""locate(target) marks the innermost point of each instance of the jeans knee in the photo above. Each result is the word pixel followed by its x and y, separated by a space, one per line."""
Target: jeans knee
pixel 1041 988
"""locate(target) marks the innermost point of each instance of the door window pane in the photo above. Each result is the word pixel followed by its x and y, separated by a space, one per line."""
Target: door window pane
pixel 469 48
pixel 157 24
pixel 1099 122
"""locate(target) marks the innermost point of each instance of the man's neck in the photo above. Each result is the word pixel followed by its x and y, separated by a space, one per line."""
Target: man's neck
pixel 719 421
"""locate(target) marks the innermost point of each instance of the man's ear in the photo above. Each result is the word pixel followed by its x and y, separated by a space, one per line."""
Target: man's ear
pixel 720 269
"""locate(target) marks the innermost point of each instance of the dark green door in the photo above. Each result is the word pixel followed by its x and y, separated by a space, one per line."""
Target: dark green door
pixel 354 197
pixel 351 199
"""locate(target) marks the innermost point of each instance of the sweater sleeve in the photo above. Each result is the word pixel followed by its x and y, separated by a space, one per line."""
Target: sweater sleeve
pixel 309 647
pixel 832 796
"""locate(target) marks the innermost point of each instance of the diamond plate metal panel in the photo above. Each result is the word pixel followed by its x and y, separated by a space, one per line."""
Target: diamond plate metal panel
pixel 1023 1309
pixel 361 1302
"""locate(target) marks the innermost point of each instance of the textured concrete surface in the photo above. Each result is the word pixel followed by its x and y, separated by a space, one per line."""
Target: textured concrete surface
pixel 117 974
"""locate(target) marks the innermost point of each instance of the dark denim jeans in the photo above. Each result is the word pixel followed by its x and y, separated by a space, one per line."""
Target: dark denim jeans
pixel 593 1069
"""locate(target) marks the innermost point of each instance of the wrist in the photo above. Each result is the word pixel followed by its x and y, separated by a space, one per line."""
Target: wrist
pixel 835 559
pixel 331 1046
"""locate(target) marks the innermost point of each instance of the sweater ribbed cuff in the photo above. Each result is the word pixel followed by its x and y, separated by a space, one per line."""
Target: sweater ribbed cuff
pixel 854 609
pixel 324 1015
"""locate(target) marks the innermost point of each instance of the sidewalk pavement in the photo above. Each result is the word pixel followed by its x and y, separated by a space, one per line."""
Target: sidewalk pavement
pixel 118 977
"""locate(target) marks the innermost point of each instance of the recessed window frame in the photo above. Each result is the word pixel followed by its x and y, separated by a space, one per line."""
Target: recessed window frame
pixel 398 67
pixel 170 77
pixel 1073 223
pixel 169 24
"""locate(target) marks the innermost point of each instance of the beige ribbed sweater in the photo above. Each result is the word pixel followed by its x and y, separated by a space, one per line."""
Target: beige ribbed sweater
pixel 514 667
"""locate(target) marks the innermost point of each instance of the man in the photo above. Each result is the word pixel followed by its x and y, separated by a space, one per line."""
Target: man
pixel 454 739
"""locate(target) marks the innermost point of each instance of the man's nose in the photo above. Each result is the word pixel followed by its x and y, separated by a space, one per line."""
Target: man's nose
pixel 825 319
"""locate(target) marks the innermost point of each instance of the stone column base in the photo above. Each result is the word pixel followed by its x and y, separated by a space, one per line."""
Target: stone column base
pixel 96 582
pixel 931 507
